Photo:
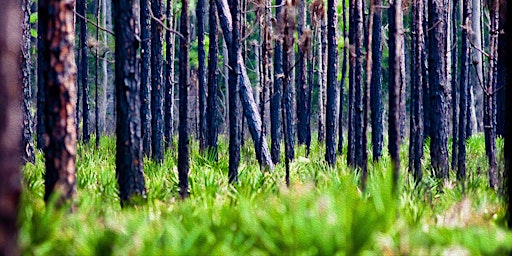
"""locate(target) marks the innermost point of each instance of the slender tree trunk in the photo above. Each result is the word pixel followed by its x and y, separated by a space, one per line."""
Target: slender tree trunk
pixel 425 73
pixel 343 78
pixel 455 99
pixel 332 83
pixel 234 99
pixel 26 66
pixel 351 88
pixel 213 87
pixel 275 102
pixel 395 44
pixel 358 84
pixel 302 86
pixel 266 67
pixel 145 75
pixel 201 74
pixel 376 85
pixel 416 125
pixel 183 143
pixel 157 97
pixel 464 88
pixel 97 85
pixel 10 123
pixel 502 80
pixel 490 99
pixel 84 70
pixel 478 71
pixel 129 166
pixel 438 89
pixel 58 34
pixel 104 69
pixel 322 80
pixel 169 77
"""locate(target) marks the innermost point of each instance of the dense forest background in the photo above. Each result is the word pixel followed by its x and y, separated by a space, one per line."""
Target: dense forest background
pixel 360 82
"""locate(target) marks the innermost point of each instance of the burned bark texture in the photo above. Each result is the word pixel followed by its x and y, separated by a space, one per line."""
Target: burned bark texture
pixel 303 109
pixel 276 98
pixel 234 98
pixel 84 70
pixel 201 74
pixel 358 84
pixel 169 77
pixel 212 116
pixel 145 75
pixel 56 18
pixel 332 84
pixel 157 86
pixel 27 143
pixel 464 90
pixel 10 123
pixel 376 85
pixel 129 166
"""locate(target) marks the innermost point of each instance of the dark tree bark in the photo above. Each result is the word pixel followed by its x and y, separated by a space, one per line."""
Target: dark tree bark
pixel 213 84
pixel 266 67
pixel 201 74
pixel 464 88
pixel 96 88
pixel 84 70
pixel 249 106
pixel 395 44
pixel 425 73
pixel 25 72
pixel 10 123
pixel 343 78
pixel 157 86
pixel 490 99
pixel 183 140
pixel 276 98
pixel 455 99
pixel 416 125
pixel 332 83
pixel 438 89
pixel 376 85
pixel 351 85
pixel 145 76
pixel 169 77
pixel 508 121
pixel 303 110
pixel 502 80
pixel 40 85
pixel 234 98
pixel 56 18
pixel 129 167
pixel 358 84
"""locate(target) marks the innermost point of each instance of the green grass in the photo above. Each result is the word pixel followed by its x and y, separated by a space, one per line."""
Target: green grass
pixel 324 212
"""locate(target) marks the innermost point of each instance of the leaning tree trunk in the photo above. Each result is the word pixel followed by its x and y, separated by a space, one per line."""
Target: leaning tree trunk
pixel 332 84
pixel 213 83
pixel 28 154
pixel 183 140
pixel 490 99
pixel 249 106
pixel 416 125
pixel 438 89
pixel 275 101
pixel 129 167
pixel 395 44
pixel 201 76
pixel 157 86
pixel 145 75
pixel 84 71
pixel 464 89
pixel 10 123
pixel 60 97
pixel 376 85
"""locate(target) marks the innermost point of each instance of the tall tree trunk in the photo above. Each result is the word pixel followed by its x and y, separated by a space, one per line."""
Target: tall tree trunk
pixel 490 99
pixel 438 89
pixel 250 108
pixel 351 88
pixel 129 166
pixel 303 110
pixel 275 102
pixel 416 124
pixel 213 87
pixel 322 50
pixel 169 77
pixel 464 88
pixel 183 147
pixel 157 86
pixel 145 75
pixel 201 74
pixel 455 99
pixel 332 83
pixel 40 84
pixel 26 66
pixel 266 67
pixel 234 98
pixel 104 69
pixel 343 78
pixel 425 73
pixel 395 44
pixel 358 84
pixel 97 85
pixel 84 70
pixel 376 85
pixel 56 18
pixel 502 80
pixel 478 70
pixel 10 123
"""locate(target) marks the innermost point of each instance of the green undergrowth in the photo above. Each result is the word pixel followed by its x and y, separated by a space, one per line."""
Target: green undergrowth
pixel 323 212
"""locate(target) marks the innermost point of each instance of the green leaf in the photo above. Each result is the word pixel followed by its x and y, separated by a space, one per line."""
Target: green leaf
pixel 33 18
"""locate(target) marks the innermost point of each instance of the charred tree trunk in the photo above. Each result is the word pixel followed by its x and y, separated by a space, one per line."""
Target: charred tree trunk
pixel 157 97
pixel 97 85
pixel 343 78
pixel 376 85
pixel 213 87
pixel 234 99
pixel 183 143
pixel 322 51
pixel 425 73
pixel 276 98
pixel 358 84
pixel 60 97
pixel 28 154
pixel 351 88
pixel 395 44
pixel 145 75
pixel 169 77
pixel 303 111
pixel 416 125
pixel 129 167
pixel 201 74
pixel 266 67
pixel 455 99
pixel 490 99
pixel 332 83
pixel 84 71
pixel 10 123
pixel 464 89
pixel 438 89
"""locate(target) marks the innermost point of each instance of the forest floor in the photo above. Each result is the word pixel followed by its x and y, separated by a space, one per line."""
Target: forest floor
pixel 323 212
